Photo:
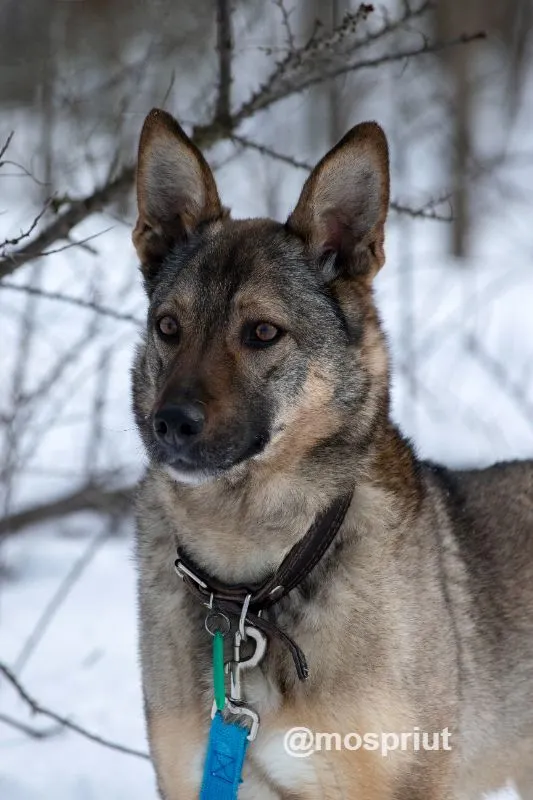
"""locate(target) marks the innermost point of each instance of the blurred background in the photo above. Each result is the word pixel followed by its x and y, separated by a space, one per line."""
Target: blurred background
pixel 265 87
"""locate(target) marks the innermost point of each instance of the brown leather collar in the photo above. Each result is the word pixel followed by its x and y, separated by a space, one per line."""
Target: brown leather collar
pixel 297 564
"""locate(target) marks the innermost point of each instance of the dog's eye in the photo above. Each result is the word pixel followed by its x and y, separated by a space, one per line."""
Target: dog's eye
pixel 261 334
pixel 266 332
pixel 168 327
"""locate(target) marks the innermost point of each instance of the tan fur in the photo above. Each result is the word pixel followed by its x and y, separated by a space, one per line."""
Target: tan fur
pixel 298 430
pixel 176 739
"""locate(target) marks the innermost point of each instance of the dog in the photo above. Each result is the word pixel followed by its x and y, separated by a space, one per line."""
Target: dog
pixel 261 393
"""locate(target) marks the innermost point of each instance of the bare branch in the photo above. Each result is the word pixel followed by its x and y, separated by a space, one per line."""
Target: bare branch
pixel 302 67
pixel 91 497
pixel 34 733
pixel 425 49
pixel 81 243
pixel 312 79
pixel 61 593
pixel 324 56
pixel 427 211
pixel 285 16
pixel 60 228
pixel 37 708
pixel 6 145
pixel 224 47
pixel 447 328
pixel 271 153
pixel 90 305
pixel 501 377
pixel 24 172
pixel 25 234
pixel 96 433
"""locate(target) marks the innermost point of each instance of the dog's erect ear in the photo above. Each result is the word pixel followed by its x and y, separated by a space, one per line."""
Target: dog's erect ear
pixel 343 206
pixel 176 190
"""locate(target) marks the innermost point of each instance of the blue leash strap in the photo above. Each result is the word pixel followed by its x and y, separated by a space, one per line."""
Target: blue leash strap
pixel 226 750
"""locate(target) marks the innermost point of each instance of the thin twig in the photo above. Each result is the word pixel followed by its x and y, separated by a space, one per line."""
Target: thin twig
pixel 265 150
pixel 80 243
pixel 24 172
pixel 75 301
pixel 53 377
pixel 224 47
pixel 285 18
pixel 501 377
pixel 34 733
pixel 37 708
pixel 60 228
pixel 25 234
pixel 169 89
pixel 61 593
pixel 96 433
pixel 426 211
pixel 24 347
pixel 426 48
pixel 6 145
pixel 91 497
pixel 293 73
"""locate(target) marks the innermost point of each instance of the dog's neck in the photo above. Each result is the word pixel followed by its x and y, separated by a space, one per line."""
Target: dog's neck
pixel 239 528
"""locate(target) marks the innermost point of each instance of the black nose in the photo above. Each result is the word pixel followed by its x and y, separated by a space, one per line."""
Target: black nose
pixel 177 425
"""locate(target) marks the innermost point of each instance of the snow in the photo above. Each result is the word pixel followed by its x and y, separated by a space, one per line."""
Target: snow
pixel 85 668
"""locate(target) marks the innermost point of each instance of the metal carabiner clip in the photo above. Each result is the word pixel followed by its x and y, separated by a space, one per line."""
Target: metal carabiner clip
pixel 237 666
pixel 234 703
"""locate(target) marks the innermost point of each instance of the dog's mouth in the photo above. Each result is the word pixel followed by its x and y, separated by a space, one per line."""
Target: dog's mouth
pixel 200 464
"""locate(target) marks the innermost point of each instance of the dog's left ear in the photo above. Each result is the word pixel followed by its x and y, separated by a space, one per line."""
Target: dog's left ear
pixel 343 206
pixel 176 190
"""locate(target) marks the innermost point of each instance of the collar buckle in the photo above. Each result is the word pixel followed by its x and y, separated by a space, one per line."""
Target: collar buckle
pixel 184 572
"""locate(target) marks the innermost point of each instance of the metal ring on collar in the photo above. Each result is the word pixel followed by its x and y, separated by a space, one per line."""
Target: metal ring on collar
pixel 211 626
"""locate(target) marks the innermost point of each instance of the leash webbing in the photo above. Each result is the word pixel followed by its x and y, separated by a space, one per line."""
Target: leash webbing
pixel 226 750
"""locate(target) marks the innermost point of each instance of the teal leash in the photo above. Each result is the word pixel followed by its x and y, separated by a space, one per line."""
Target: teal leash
pixel 228 740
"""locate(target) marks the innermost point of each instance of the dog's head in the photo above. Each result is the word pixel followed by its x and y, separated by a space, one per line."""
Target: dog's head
pixel 262 337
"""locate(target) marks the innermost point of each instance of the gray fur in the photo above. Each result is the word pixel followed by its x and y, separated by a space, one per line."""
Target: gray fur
pixel 422 612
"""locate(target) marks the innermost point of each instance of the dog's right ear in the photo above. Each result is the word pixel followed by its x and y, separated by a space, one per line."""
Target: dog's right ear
pixel 176 190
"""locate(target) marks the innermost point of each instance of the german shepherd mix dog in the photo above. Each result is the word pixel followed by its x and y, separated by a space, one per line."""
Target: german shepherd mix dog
pixel 261 391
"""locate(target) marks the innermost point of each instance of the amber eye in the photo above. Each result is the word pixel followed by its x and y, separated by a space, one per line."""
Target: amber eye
pixel 168 327
pixel 266 332
pixel 261 334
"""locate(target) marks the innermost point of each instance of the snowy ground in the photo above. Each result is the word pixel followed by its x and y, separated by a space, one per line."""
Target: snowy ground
pixel 85 667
